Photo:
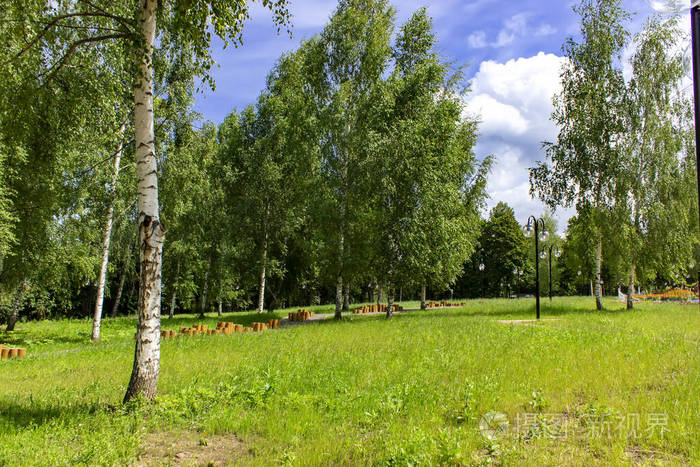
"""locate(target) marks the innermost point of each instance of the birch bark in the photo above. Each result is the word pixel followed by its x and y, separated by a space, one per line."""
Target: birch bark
pixel 205 290
pixel 630 288
pixel 120 289
pixel 173 300
pixel 597 289
pixel 97 317
pixel 144 375
pixel 14 317
pixel 346 297
pixel 263 263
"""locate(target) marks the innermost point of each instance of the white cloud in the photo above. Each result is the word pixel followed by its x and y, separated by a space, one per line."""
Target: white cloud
pixel 514 28
pixel 477 40
pixel 497 117
pixel 545 30
pixel 514 102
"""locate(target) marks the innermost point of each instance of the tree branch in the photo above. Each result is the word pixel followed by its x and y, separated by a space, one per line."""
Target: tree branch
pixel 54 22
pixel 56 67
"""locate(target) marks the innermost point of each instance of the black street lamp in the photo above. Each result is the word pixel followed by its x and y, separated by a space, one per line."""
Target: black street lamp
pixel 533 227
pixel 557 254
pixel 481 268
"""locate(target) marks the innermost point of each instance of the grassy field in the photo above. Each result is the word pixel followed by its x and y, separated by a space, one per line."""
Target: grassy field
pixel 584 388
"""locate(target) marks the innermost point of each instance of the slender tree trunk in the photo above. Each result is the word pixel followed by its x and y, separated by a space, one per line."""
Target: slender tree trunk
pixel 346 297
pixel 380 294
pixel 370 294
pixel 598 278
pixel 630 288
pixel 205 289
pixel 99 300
pixel 390 303
pixel 220 308
pixel 120 289
pixel 339 276
pixel 14 317
pixel 263 261
pixel 144 375
pixel 173 299
pixel 422 297
pixel 263 267
pixel 2 264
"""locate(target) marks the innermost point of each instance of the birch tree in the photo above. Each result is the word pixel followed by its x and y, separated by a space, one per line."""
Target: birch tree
pixel 344 64
pixel 586 158
pixel 657 191
pixel 429 182
pixel 138 23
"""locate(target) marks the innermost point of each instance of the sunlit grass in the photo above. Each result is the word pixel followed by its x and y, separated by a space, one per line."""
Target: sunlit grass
pixel 371 391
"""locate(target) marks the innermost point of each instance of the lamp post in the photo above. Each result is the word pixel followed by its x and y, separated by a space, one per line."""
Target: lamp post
pixel 557 254
pixel 481 268
pixel 533 227
pixel 579 275
pixel 680 6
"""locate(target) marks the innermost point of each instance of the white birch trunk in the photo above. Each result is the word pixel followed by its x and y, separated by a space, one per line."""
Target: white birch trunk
pixel 2 264
pixel 99 300
pixel 630 288
pixel 14 317
pixel 120 289
pixel 205 290
pixel 598 267
pixel 220 308
pixel 390 303
pixel 144 375
pixel 263 262
pixel 263 271
pixel 339 277
pixel 346 297
pixel 422 297
pixel 173 299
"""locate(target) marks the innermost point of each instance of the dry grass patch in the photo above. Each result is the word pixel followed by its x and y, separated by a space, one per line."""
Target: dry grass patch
pixel 192 448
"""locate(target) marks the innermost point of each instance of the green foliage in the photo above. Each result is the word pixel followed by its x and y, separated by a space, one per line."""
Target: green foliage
pixel 504 251
pixel 657 192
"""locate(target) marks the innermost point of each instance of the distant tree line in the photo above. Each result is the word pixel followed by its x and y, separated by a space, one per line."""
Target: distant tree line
pixel 351 178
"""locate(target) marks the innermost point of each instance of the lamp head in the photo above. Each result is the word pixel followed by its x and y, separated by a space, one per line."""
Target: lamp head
pixel 528 230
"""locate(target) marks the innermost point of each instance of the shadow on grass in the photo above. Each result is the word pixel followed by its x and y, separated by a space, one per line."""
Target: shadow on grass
pixel 16 416
pixel 23 338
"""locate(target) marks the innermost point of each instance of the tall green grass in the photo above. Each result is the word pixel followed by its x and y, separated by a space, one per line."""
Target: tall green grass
pixel 367 391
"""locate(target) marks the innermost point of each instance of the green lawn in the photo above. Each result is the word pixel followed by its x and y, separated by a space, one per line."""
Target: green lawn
pixel 586 388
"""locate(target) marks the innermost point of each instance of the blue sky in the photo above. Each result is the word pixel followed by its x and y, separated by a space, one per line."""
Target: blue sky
pixel 511 59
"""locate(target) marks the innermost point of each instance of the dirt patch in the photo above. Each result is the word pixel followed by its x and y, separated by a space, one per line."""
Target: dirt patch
pixel 524 322
pixel 639 456
pixel 191 448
